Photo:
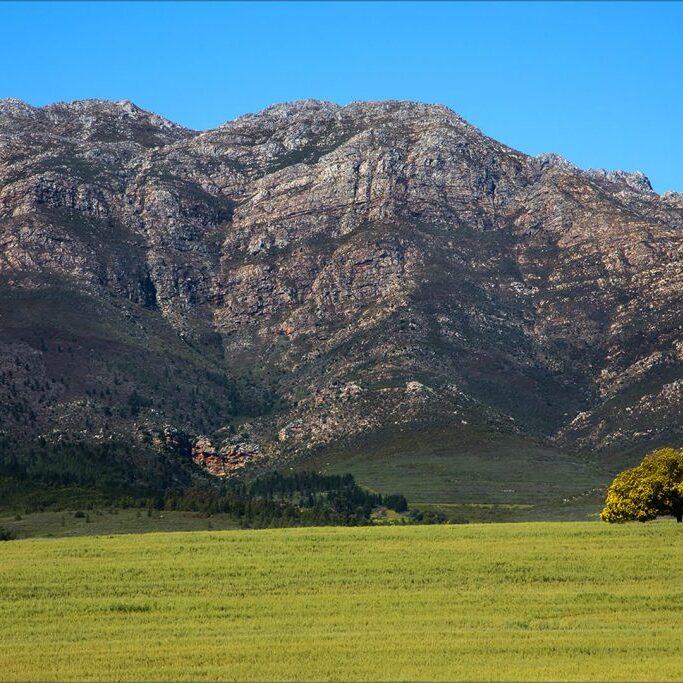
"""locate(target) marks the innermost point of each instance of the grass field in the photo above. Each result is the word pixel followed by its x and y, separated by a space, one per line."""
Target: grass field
pixel 475 476
pixel 546 601
pixel 105 522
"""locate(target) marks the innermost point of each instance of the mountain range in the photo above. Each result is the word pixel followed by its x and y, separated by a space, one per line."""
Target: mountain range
pixel 316 280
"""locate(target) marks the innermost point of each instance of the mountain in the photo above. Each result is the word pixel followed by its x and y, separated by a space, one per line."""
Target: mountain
pixel 315 277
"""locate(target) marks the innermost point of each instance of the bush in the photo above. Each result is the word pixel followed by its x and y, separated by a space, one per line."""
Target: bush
pixel 396 502
pixel 6 535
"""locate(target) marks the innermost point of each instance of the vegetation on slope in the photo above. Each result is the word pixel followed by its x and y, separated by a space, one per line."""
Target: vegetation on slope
pixel 59 476
pixel 473 475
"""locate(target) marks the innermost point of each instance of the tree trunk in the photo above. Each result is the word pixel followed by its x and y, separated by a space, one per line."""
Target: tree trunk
pixel 677 511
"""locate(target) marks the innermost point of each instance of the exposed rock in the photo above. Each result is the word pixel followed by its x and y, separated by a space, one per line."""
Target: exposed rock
pixel 636 181
pixel 226 460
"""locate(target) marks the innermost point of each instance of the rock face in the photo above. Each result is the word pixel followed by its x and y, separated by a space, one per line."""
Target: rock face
pixel 326 272
pixel 227 459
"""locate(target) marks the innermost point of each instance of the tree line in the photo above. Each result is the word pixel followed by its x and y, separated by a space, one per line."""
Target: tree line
pixel 68 474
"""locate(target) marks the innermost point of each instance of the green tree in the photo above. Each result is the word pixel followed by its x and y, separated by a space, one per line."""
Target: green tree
pixel 652 489
pixel 136 403
pixel 396 502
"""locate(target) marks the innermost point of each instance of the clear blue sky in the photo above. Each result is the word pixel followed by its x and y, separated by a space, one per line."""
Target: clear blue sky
pixel 599 83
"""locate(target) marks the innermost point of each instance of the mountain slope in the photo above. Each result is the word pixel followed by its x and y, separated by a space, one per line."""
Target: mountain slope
pixel 312 275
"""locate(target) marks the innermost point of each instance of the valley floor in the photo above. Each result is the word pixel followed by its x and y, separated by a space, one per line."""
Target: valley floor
pixel 98 522
pixel 527 601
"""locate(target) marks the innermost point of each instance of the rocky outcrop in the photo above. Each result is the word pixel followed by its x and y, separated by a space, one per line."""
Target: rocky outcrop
pixel 323 272
pixel 226 460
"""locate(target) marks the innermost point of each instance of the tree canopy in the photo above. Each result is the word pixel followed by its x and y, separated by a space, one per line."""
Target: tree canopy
pixel 652 489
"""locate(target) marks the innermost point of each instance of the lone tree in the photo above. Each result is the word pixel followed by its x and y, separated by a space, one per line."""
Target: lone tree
pixel 652 489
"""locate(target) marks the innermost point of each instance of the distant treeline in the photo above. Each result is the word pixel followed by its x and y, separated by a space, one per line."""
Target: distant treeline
pixel 113 468
pixel 305 498
pixel 68 475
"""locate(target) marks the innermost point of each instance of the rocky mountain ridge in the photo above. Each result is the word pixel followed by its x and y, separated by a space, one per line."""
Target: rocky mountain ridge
pixel 314 273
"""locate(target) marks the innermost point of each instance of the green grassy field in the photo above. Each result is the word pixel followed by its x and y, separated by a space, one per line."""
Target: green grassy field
pixel 574 601
pixel 515 478
pixel 105 521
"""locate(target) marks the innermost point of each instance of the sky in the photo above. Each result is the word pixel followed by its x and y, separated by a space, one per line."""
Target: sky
pixel 599 83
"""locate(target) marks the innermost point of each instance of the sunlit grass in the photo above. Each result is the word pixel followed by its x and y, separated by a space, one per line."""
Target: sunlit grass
pixel 574 601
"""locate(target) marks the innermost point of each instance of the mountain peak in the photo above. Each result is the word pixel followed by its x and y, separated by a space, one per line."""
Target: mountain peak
pixel 635 180
pixel 93 120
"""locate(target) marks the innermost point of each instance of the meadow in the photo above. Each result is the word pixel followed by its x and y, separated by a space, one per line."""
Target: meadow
pixel 532 601
pixel 103 522
pixel 477 477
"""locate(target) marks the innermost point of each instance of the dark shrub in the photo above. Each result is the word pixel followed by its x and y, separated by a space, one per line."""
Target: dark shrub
pixel 396 502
